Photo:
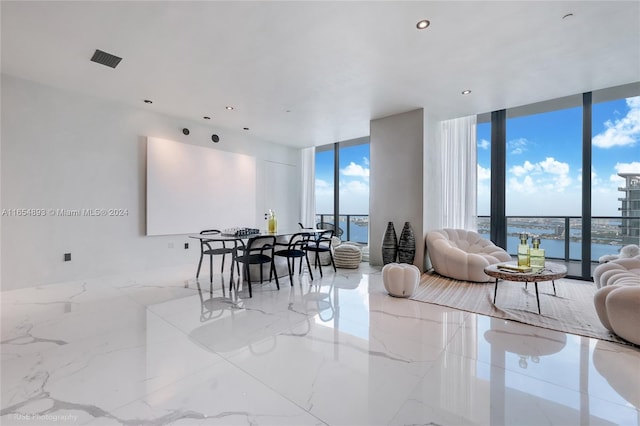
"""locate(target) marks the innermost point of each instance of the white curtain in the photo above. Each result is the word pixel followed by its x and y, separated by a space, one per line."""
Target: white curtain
pixel 459 170
pixel 308 210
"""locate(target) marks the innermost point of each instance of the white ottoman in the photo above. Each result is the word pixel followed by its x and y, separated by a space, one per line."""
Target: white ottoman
pixel 400 279
pixel 347 256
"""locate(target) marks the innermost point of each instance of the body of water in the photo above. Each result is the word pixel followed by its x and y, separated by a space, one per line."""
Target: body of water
pixel 553 248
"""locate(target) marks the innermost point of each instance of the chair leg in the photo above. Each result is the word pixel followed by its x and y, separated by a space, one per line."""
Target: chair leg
pixel 318 264
pixel 248 275
pixel 332 262
pixel 291 268
pixel 222 268
pixel 273 268
pixel 211 268
pixel 231 279
pixel 308 265
pixel 199 265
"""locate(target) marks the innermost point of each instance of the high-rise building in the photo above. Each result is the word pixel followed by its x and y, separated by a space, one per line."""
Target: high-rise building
pixel 630 208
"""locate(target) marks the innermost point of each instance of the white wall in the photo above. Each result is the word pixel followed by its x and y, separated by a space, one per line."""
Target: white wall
pixel 405 181
pixel 62 150
pixel 396 180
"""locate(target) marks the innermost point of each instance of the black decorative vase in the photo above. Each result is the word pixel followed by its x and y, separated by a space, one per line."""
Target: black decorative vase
pixel 389 245
pixel 406 245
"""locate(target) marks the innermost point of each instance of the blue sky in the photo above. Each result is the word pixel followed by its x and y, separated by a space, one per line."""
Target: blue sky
pixel 544 163
pixel 544 159
pixel 354 180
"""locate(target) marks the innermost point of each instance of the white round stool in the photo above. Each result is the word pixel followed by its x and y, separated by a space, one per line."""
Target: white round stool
pixel 400 279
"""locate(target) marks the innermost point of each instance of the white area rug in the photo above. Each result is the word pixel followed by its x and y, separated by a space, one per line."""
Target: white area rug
pixel 570 311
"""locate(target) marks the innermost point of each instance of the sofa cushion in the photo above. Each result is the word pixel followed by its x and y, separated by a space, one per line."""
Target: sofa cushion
pixel 463 254
pixel 619 272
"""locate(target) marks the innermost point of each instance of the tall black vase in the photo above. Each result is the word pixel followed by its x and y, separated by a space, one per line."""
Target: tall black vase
pixel 406 245
pixel 389 245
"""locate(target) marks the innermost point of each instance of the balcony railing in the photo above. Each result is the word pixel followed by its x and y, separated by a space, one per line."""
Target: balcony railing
pixel 355 227
pixel 561 236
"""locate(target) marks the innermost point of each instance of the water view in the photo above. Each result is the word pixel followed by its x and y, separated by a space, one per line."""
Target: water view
pixel 605 234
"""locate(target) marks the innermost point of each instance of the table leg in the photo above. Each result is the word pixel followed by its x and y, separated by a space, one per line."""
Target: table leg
pixel 495 292
pixel 537 297
pixel 554 287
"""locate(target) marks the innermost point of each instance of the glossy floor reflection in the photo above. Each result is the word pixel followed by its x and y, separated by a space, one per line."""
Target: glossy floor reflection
pixel 160 349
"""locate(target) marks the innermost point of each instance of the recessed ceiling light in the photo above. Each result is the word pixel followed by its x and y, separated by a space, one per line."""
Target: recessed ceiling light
pixel 206 118
pixel 421 25
pixel 466 92
pixel 147 101
pixel 230 108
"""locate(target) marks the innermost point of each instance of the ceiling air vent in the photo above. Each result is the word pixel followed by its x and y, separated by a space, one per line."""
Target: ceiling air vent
pixel 105 58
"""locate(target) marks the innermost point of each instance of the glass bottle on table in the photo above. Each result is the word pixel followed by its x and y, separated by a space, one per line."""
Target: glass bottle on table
pixel 272 222
pixel 537 254
pixel 523 250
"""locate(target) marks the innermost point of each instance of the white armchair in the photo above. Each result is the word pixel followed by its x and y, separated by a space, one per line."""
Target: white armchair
pixel 462 254
pixel 617 300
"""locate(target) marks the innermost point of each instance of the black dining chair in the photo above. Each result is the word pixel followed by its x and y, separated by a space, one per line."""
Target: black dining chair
pixel 259 250
pixel 295 249
pixel 215 247
pixel 322 244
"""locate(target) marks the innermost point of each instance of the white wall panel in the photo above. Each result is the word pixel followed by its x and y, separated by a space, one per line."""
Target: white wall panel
pixel 191 188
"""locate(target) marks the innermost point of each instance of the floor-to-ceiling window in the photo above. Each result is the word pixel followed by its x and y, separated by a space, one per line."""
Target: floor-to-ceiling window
pixel 354 190
pixel 325 183
pixel 571 175
pixel 543 193
pixel 342 188
pixel 483 136
pixel 615 175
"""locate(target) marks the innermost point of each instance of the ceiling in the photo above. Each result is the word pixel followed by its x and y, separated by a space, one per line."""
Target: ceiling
pixel 305 73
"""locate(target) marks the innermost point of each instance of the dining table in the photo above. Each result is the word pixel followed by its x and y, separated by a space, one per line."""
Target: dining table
pixel 229 236
pixel 240 238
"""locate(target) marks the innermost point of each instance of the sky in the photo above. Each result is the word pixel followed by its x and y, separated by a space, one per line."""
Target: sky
pixel 544 163
pixel 544 160
pixel 354 180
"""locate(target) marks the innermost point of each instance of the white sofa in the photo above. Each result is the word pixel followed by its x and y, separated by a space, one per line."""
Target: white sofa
pixel 617 300
pixel 462 254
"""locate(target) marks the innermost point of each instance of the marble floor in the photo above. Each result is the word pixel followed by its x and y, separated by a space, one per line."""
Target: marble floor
pixel 162 349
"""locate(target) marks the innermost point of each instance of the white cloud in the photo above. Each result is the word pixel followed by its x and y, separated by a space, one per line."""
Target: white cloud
pixel 518 146
pixel 483 174
pixel 365 161
pixel 322 183
pixel 527 186
pixel 550 165
pixel 354 169
pixel 624 131
pixel 633 167
pixel 549 175
pixel 521 170
pixel 354 197
pixel 354 186
pixel 484 144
